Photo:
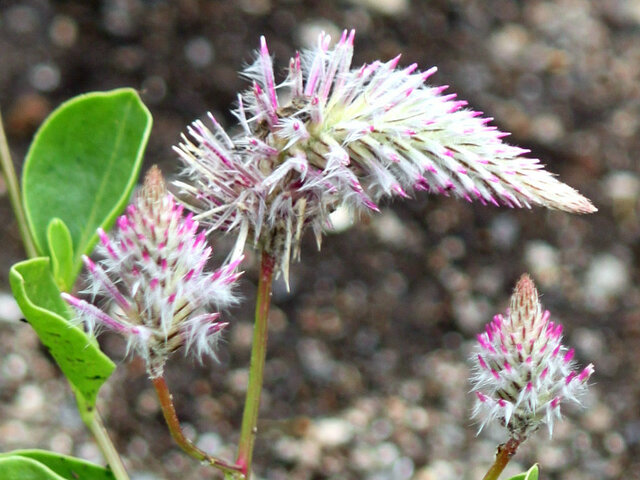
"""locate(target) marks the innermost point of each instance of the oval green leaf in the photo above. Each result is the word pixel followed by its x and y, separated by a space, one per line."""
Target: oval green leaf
pixel 81 361
pixel 20 468
pixel 61 248
pixel 82 165
pixel 66 467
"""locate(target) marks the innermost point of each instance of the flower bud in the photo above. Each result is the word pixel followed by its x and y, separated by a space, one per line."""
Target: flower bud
pixel 152 274
pixel 522 372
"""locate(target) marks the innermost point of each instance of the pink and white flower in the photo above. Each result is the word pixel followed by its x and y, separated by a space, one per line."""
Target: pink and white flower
pixel 522 371
pixel 152 274
pixel 330 135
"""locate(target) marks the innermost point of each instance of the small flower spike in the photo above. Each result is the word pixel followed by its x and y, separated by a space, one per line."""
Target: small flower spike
pixel 331 136
pixel 153 276
pixel 522 372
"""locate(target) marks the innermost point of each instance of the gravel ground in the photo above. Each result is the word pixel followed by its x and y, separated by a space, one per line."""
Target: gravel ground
pixel 367 369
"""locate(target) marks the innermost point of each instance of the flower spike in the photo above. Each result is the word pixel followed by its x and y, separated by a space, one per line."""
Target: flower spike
pixel 152 273
pixel 522 372
pixel 331 136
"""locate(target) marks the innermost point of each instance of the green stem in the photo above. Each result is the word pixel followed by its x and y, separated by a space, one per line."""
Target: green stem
pixel 92 420
pixel 256 370
pixel 13 187
pixel 99 432
pixel 505 452
pixel 171 417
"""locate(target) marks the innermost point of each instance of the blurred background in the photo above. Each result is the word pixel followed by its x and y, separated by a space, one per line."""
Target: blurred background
pixel 367 366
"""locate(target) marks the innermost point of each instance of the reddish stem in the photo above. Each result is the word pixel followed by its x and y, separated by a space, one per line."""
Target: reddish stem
pixel 169 411
pixel 505 452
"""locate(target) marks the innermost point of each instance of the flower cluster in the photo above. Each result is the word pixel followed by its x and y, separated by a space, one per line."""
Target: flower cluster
pixel 522 372
pixel 331 136
pixel 152 273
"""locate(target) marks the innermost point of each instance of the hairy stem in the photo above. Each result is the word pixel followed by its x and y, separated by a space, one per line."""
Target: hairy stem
pixel 505 452
pixel 13 187
pixel 256 370
pixel 169 411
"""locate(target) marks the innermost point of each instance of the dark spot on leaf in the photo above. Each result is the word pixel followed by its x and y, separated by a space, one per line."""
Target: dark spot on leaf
pixel 24 320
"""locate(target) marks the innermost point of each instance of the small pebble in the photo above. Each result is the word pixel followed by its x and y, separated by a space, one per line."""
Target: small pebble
pixel 255 7
pixel 29 401
pixel 598 418
pixel 138 447
pixel 209 442
pixel 385 7
pixel 389 228
pixel 316 359
pixel 504 231
pixel 543 261
pixel 89 451
pixel 471 314
pixel 14 367
pixel 547 129
pixel 332 432
pixel 606 278
pixel 307 32
pixel 154 89
pixel 63 31
pixel 45 77
pixel 61 442
pixel 621 186
pixel 199 51
pixel 614 443
pixel 9 309
pixel 22 18
pixel 147 404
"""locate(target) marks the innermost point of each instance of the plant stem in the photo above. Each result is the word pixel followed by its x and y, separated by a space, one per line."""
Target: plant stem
pixel 91 418
pixel 171 417
pixel 505 452
pixel 256 370
pixel 13 187
pixel 99 432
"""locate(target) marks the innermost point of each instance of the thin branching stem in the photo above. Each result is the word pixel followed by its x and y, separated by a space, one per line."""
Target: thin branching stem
pixel 505 452
pixel 13 187
pixel 171 417
pixel 256 370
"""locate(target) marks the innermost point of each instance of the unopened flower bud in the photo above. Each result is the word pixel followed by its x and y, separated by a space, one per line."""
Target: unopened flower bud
pixel 152 274
pixel 522 372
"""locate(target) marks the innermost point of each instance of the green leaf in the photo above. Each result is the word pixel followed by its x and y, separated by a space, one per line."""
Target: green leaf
pixel 82 166
pixel 66 467
pixel 21 468
pixel 82 362
pixel 531 474
pixel 61 248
